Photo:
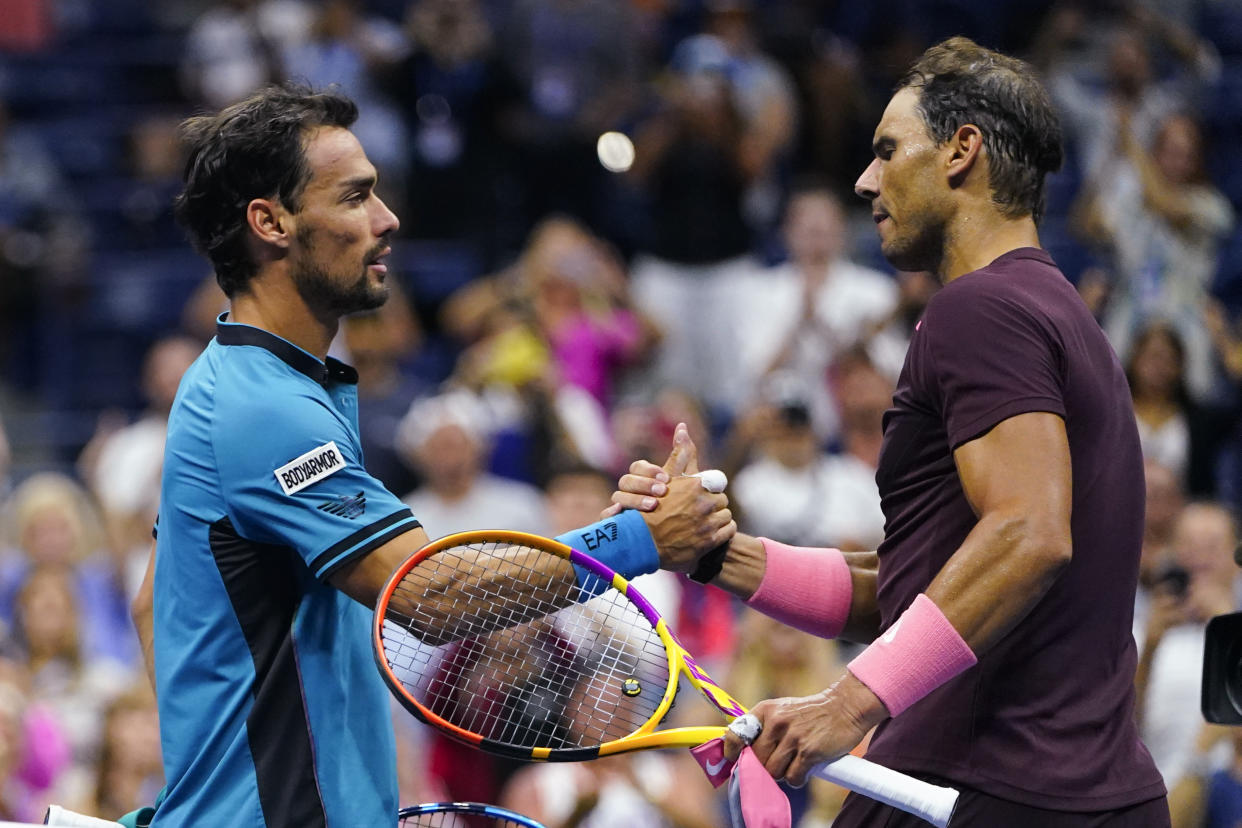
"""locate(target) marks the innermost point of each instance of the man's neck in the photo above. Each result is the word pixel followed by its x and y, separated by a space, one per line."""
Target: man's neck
pixel 977 240
pixel 276 307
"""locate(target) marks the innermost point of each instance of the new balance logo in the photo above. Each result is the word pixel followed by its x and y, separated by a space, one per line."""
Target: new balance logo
pixel 346 506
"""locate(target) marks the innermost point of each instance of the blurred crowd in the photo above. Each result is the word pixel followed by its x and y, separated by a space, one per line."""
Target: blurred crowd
pixel 617 215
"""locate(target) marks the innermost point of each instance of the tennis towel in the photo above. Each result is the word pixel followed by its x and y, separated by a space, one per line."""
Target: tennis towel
pixel 755 800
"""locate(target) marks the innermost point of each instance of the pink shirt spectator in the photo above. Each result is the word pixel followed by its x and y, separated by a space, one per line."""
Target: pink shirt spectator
pixel 589 349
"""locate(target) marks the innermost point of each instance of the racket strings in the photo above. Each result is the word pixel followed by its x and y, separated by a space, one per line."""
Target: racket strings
pixel 499 640
pixel 457 819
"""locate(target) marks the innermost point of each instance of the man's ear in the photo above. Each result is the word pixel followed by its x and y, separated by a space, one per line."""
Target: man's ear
pixel 964 149
pixel 268 221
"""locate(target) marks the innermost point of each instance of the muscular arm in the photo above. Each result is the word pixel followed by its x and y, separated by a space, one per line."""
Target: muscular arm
pixel 692 521
pixel 1017 479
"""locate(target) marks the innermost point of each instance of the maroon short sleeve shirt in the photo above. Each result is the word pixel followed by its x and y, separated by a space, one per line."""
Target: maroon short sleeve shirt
pixel 1046 717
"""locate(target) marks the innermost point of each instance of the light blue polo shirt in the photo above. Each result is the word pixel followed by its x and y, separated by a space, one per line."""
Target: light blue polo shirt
pixel 271 710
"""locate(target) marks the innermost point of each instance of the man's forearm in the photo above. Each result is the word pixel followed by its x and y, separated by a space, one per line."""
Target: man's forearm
pixel 746 564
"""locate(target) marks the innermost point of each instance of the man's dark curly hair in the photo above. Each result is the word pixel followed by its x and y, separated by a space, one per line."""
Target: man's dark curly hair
pixel 252 149
pixel 960 82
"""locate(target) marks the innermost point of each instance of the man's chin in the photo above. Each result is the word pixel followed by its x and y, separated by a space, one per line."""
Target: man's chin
pixel 372 298
pixel 375 298
pixel 904 258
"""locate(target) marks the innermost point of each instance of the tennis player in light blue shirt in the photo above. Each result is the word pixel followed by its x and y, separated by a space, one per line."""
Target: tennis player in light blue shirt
pixel 273 541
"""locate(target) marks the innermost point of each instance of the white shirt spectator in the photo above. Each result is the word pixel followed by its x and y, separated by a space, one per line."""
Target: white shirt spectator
pixel 851 304
pixel 492 503
pixel 833 501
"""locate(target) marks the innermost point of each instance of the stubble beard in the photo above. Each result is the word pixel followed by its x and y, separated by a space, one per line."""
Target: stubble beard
pixel 327 295
pixel 922 249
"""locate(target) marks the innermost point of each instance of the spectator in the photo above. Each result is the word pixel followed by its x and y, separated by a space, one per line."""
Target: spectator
pixel 130 772
pixel 42 749
pixel 42 245
pixel 1165 499
pixel 803 314
pixel 765 99
pixel 1155 371
pixel 235 46
pixel 75 682
pixel 1176 431
pixel 558 327
pixel 889 344
pixel 446 438
pixel 123 464
pixel 1209 796
pixel 1163 223
pixel 449 89
pixel 1132 97
pixel 17 801
pixel 694 168
pixel 353 50
pixel 796 493
pixel 1167 680
pixel 573 70
pixel 583 310
pixel 154 160
pixel 52 523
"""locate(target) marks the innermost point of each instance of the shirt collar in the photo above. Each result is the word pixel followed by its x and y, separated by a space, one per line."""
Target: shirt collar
pixel 329 371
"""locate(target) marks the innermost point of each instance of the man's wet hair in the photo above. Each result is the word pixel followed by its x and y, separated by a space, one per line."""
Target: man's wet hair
pixel 960 82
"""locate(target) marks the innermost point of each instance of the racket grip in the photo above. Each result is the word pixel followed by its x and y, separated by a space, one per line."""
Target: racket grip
pixel 914 796
pixel 57 815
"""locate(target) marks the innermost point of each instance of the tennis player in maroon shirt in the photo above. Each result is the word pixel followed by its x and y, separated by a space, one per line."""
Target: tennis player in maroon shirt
pixel 997 611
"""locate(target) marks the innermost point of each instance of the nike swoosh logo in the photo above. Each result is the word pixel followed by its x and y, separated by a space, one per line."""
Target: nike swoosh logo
pixel 714 768
pixel 891 634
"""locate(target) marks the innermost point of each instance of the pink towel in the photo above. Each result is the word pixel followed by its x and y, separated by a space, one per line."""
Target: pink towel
pixel 761 801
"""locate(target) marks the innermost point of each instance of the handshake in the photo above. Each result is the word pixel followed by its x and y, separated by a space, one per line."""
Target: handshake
pixel 684 509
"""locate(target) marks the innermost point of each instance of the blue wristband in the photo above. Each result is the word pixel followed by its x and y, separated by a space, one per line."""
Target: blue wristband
pixel 622 543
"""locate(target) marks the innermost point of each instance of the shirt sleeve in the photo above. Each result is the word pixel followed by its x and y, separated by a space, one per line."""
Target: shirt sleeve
pixel 992 358
pixel 293 476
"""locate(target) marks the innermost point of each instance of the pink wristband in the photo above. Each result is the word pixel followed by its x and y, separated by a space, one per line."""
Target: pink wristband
pixel 809 589
pixel 917 654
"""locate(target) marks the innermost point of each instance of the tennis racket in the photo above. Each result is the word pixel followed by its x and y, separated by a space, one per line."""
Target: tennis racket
pixel 461 815
pixel 528 649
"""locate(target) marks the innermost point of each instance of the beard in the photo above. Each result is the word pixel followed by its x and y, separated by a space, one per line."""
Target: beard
pixel 921 250
pixel 332 295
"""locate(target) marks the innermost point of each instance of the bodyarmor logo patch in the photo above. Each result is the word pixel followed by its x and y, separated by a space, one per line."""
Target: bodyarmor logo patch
pixel 311 467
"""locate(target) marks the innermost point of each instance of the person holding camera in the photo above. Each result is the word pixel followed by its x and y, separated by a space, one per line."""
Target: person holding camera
pixel 1199 584
pixel 793 489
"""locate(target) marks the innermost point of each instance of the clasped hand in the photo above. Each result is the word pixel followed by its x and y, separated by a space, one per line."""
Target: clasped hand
pixel 686 521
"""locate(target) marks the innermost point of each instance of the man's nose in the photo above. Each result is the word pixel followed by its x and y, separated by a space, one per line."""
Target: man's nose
pixel 868 184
